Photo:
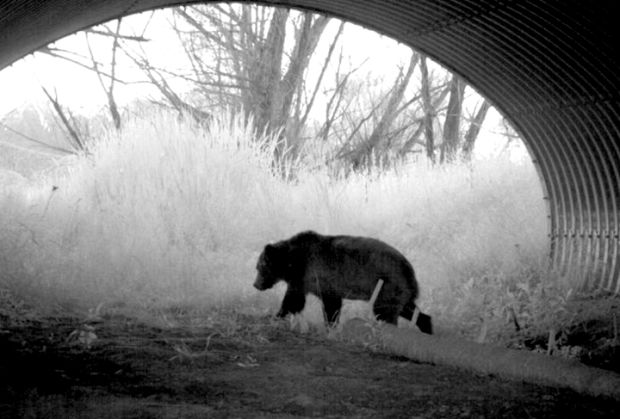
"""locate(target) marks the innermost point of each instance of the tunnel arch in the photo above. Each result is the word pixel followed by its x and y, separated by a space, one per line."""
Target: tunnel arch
pixel 551 66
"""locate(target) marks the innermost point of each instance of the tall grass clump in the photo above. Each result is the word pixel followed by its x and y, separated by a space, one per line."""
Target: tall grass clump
pixel 473 232
pixel 168 213
pixel 162 213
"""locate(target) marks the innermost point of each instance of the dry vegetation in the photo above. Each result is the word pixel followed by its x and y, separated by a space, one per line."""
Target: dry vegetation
pixel 167 214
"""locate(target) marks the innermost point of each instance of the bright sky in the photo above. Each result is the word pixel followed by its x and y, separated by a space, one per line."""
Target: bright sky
pixel 79 88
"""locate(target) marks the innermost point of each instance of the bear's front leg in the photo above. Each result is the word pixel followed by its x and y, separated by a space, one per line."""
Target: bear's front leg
pixel 293 302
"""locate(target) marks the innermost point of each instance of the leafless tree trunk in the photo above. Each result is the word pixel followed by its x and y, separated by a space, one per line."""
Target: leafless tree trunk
pixel 376 142
pixel 413 138
pixel 452 122
pixel 474 129
pixel 306 41
pixel 249 46
pixel 428 109
pixel 299 123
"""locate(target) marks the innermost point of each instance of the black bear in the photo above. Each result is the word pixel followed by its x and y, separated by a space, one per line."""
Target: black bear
pixel 337 267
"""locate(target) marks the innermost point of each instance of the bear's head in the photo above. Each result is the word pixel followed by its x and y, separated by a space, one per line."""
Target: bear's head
pixel 272 267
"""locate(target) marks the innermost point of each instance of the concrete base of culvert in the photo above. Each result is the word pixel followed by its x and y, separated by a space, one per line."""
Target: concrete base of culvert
pixel 486 359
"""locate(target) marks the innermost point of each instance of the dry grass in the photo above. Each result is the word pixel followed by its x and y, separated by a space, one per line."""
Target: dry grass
pixel 166 214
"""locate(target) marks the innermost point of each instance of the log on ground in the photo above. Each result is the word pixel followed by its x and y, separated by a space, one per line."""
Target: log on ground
pixel 482 358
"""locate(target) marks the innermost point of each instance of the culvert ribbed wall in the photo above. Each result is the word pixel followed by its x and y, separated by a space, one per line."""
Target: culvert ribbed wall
pixel 552 66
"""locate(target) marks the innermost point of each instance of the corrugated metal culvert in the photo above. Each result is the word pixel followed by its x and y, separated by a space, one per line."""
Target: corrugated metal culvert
pixel 551 66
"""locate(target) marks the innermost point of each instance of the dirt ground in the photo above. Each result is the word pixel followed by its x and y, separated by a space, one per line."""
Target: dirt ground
pixel 119 367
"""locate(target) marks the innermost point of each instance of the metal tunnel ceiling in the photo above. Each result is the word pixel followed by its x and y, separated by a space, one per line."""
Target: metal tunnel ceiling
pixel 551 66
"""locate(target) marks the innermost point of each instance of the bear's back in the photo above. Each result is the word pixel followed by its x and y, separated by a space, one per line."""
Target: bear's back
pixel 352 265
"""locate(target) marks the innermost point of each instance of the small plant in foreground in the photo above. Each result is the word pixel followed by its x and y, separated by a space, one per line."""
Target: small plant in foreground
pixel 507 308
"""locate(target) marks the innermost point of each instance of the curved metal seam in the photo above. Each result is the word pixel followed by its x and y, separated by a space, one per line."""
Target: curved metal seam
pixel 545 105
pixel 592 205
pixel 599 163
pixel 591 155
pixel 572 199
pixel 515 54
pixel 533 44
pixel 441 25
pixel 583 49
pixel 556 199
pixel 546 171
pixel 570 102
pixel 613 217
pixel 574 183
pixel 555 64
pixel 442 44
pixel 607 184
pixel 564 200
pixel 522 53
pixel 475 69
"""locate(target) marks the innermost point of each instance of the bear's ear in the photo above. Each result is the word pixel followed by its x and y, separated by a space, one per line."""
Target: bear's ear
pixel 270 251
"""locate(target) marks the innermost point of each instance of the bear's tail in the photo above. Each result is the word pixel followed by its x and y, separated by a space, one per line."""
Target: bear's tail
pixel 411 312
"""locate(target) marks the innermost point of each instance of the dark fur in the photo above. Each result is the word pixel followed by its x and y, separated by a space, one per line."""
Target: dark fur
pixel 337 267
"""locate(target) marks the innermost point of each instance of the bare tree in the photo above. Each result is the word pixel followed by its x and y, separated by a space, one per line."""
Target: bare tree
pixel 429 110
pixel 67 121
pixel 107 77
pixel 240 51
pixel 300 122
pixel 452 121
pixel 376 141
pixel 109 88
pixel 474 129
pixel 255 59
pixel 392 127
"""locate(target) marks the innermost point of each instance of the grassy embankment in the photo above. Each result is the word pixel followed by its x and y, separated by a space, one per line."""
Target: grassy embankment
pixel 164 215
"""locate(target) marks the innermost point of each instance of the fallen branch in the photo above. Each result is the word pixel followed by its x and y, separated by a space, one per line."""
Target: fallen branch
pixel 486 359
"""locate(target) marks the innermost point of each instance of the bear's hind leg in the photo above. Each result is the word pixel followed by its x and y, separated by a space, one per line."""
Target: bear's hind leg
pixel 331 306
pixel 424 323
pixel 388 304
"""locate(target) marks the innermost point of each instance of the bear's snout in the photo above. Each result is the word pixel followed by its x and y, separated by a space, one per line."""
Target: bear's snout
pixel 259 284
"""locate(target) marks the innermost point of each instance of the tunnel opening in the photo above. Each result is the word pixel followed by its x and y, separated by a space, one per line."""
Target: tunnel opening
pixel 472 219
pixel 566 110
pixel 551 69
